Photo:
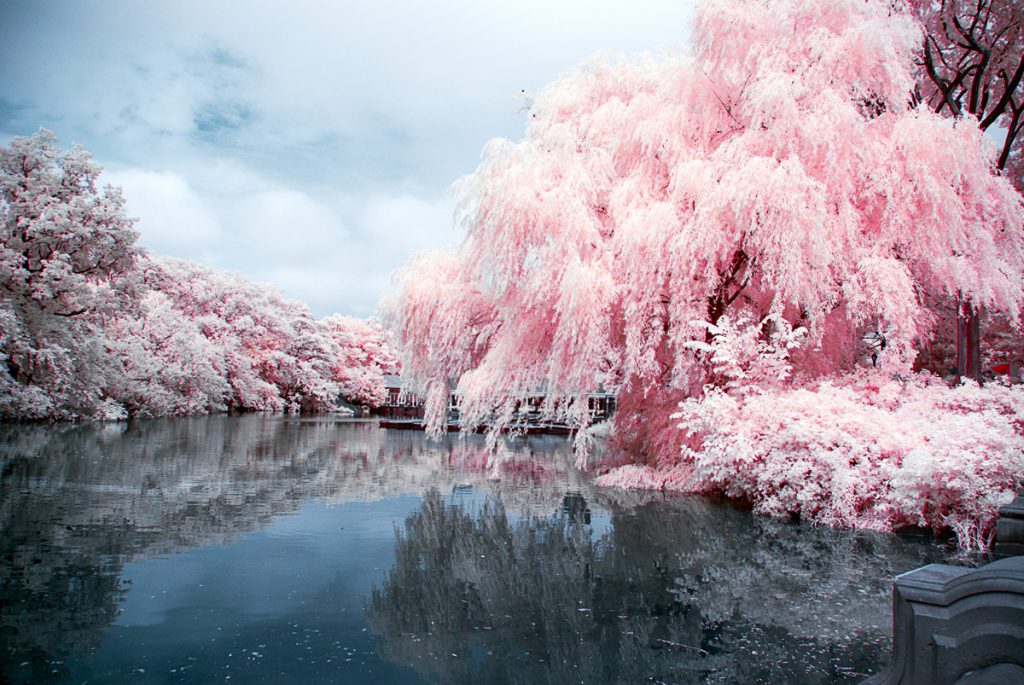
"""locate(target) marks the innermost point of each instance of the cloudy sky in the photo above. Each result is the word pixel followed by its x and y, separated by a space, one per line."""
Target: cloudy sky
pixel 310 145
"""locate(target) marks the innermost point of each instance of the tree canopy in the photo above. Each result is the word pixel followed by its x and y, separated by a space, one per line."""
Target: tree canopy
pixel 973 58
pixel 783 170
pixel 67 261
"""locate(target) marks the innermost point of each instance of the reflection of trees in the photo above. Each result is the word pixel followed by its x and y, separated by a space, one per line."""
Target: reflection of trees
pixel 77 502
pixel 480 599
pixel 675 591
pixel 780 602
pixel 520 590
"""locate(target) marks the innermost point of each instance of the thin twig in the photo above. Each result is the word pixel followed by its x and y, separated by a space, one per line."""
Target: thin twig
pixel 681 646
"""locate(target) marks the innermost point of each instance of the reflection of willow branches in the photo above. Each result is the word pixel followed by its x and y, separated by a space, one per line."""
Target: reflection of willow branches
pixel 780 602
pixel 479 599
pixel 677 591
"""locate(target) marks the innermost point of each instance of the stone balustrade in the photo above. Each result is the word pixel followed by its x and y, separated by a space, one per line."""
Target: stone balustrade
pixel 955 625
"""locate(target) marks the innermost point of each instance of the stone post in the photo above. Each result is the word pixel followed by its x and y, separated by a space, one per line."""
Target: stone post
pixel 1010 528
pixel 957 626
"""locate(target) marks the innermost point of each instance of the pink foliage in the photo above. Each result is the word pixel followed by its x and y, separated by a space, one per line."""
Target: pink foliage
pixel 728 228
pixel 863 451
pixel 276 357
pixel 363 356
pixel 272 354
pixel 645 431
pixel 166 366
pixel 782 170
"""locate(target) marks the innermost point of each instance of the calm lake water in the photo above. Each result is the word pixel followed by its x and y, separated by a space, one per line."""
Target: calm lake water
pixel 267 549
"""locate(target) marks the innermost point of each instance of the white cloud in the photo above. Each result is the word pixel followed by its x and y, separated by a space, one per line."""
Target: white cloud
pixel 334 256
pixel 173 218
pixel 411 224
pixel 351 275
pixel 285 225
pixel 308 144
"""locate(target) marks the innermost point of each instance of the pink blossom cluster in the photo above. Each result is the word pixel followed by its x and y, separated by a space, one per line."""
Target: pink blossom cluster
pixel 865 449
pixel 212 341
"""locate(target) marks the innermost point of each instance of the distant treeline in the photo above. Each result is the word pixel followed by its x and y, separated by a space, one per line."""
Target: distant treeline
pixel 92 326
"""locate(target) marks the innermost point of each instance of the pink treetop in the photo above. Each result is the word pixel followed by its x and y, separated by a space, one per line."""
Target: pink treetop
pixel 781 170
pixel 275 353
pixel 363 356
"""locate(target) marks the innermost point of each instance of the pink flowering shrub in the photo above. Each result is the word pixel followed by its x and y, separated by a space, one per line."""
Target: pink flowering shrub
pixel 866 449
pixel 913 453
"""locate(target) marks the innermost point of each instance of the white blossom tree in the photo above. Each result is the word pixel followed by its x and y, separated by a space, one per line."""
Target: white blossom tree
pixel 165 366
pixel 67 258
pixel 91 326
pixel 276 357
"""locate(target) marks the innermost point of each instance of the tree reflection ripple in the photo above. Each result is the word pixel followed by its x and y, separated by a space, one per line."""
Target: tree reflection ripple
pixel 669 589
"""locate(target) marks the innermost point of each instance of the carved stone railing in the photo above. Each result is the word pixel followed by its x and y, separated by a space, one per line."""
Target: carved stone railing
pixel 954 625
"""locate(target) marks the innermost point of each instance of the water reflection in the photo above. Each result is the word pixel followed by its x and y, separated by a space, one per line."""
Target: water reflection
pixel 511 567
pixel 672 591
pixel 78 502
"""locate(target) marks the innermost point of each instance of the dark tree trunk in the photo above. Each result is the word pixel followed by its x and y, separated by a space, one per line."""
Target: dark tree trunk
pixel 974 61
pixel 968 342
